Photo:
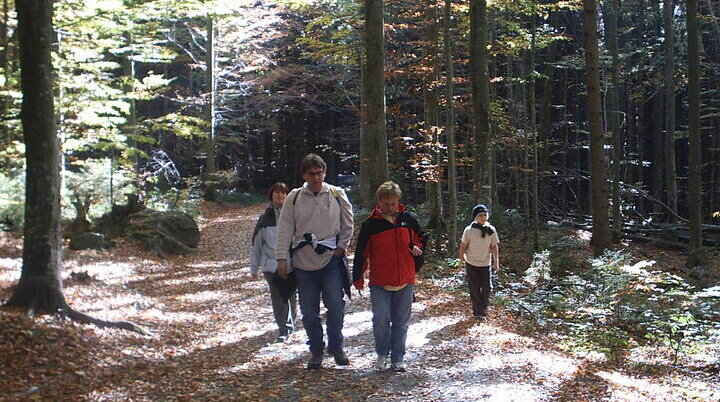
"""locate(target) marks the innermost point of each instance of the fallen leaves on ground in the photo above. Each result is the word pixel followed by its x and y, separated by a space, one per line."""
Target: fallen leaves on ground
pixel 212 332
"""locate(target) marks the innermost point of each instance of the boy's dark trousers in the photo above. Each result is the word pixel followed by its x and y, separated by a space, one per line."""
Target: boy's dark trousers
pixel 480 287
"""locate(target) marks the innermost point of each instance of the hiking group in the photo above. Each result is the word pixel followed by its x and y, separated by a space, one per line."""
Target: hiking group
pixel 300 243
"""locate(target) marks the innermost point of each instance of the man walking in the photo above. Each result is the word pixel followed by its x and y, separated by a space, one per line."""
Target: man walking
pixel 315 227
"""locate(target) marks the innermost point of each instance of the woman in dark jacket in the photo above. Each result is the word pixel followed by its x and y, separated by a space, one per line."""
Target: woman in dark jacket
pixel 282 294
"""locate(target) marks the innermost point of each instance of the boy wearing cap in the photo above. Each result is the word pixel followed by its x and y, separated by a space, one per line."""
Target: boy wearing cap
pixel 478 245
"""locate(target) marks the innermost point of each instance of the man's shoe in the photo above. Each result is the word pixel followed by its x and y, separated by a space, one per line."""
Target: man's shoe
pixel 315 361
pixel 381 363
pixel 399 367
pixel 281 339
pixel 341 358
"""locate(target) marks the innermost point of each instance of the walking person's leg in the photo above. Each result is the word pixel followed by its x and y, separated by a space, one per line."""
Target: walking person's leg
pixel 381 299
pixel 400 310
pixel 309 285
pixel 279 306
pixel 332 295
pixel 292 312
pixel 475 286
pixel 486 288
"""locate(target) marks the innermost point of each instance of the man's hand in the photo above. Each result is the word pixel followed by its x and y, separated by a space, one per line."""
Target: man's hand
pixel 416 251
pixel 496 268
pixel 282 268
pixel 339 252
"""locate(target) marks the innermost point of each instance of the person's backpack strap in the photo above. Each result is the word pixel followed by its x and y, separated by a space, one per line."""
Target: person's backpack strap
pixel 335 194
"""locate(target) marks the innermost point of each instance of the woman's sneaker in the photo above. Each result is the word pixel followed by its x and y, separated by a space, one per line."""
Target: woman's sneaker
pixel 381 363
pixel 399 367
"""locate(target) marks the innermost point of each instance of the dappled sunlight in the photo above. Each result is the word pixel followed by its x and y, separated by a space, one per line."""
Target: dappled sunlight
pixel 207 295
pixel 418 332
pixel 212 264
pixel 357 322
pixel 211 336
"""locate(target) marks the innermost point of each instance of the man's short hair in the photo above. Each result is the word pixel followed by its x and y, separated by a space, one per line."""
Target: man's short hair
pixel 312 161
pixel 279 186
pixel 388 189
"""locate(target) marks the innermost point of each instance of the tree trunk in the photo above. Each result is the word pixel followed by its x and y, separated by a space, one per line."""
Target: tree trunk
pixel 695 156
pixel 533 132
pixel 40 286
pixel 210 165
pixel 128 64
pixel 450 132
pixel 657 169
pixel 612 11
pixel 363 180
pixel 670 175
pixel 601 229
pixel 374 87
pixel 480 102
pixel 546 102
pixel 7 56
pixel 431 109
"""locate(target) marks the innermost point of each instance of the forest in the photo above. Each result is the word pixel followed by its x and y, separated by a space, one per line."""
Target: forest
pixel 139 138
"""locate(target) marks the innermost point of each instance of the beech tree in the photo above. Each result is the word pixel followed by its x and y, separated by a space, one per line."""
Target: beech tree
pixel 375 134
pixel 600 225
pixel 695 207
pixel 482 159
pixel 40 286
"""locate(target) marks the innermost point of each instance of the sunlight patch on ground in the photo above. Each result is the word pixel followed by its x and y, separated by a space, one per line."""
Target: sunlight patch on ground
pixel 237 218
pixel 356 323
pixel 105 270
pixel 543 363
pixel 418 332
pixel 212 264
pixel 208 295
pixel 172 317
pixel 10 269
pixel 626 386
pixel 675 387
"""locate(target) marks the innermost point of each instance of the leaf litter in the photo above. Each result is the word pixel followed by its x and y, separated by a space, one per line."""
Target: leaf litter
pixel 212 332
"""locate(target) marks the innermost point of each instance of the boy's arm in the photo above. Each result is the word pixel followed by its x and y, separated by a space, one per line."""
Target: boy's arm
pixel 495 251
pixel 461 251
pixel 359 263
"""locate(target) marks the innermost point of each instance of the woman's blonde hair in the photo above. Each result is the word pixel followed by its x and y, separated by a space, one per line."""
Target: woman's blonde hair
pixel 388 189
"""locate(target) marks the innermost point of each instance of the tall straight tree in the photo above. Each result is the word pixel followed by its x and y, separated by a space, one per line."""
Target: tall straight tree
pixel 431 108
pixel 695 157
pixel 612 10
pixel 670 177
pixel 599 192
pixel 210 166
pixel 533 130
pixel 482 160
pixel 375 137
pixel 40 286
pixel 450 129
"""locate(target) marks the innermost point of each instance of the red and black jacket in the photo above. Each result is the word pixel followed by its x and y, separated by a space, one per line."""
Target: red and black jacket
pixel 385 247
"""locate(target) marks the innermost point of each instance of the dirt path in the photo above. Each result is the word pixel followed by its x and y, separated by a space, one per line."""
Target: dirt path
pixel 212 334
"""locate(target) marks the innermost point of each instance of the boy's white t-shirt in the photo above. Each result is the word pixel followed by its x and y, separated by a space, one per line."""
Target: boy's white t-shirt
pixel 478 251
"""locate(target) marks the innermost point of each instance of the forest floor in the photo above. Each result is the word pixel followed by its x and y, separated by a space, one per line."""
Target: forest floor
pixel 211 337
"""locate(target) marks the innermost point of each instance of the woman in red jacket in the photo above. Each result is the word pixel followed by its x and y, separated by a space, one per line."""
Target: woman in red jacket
pixel 389 245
